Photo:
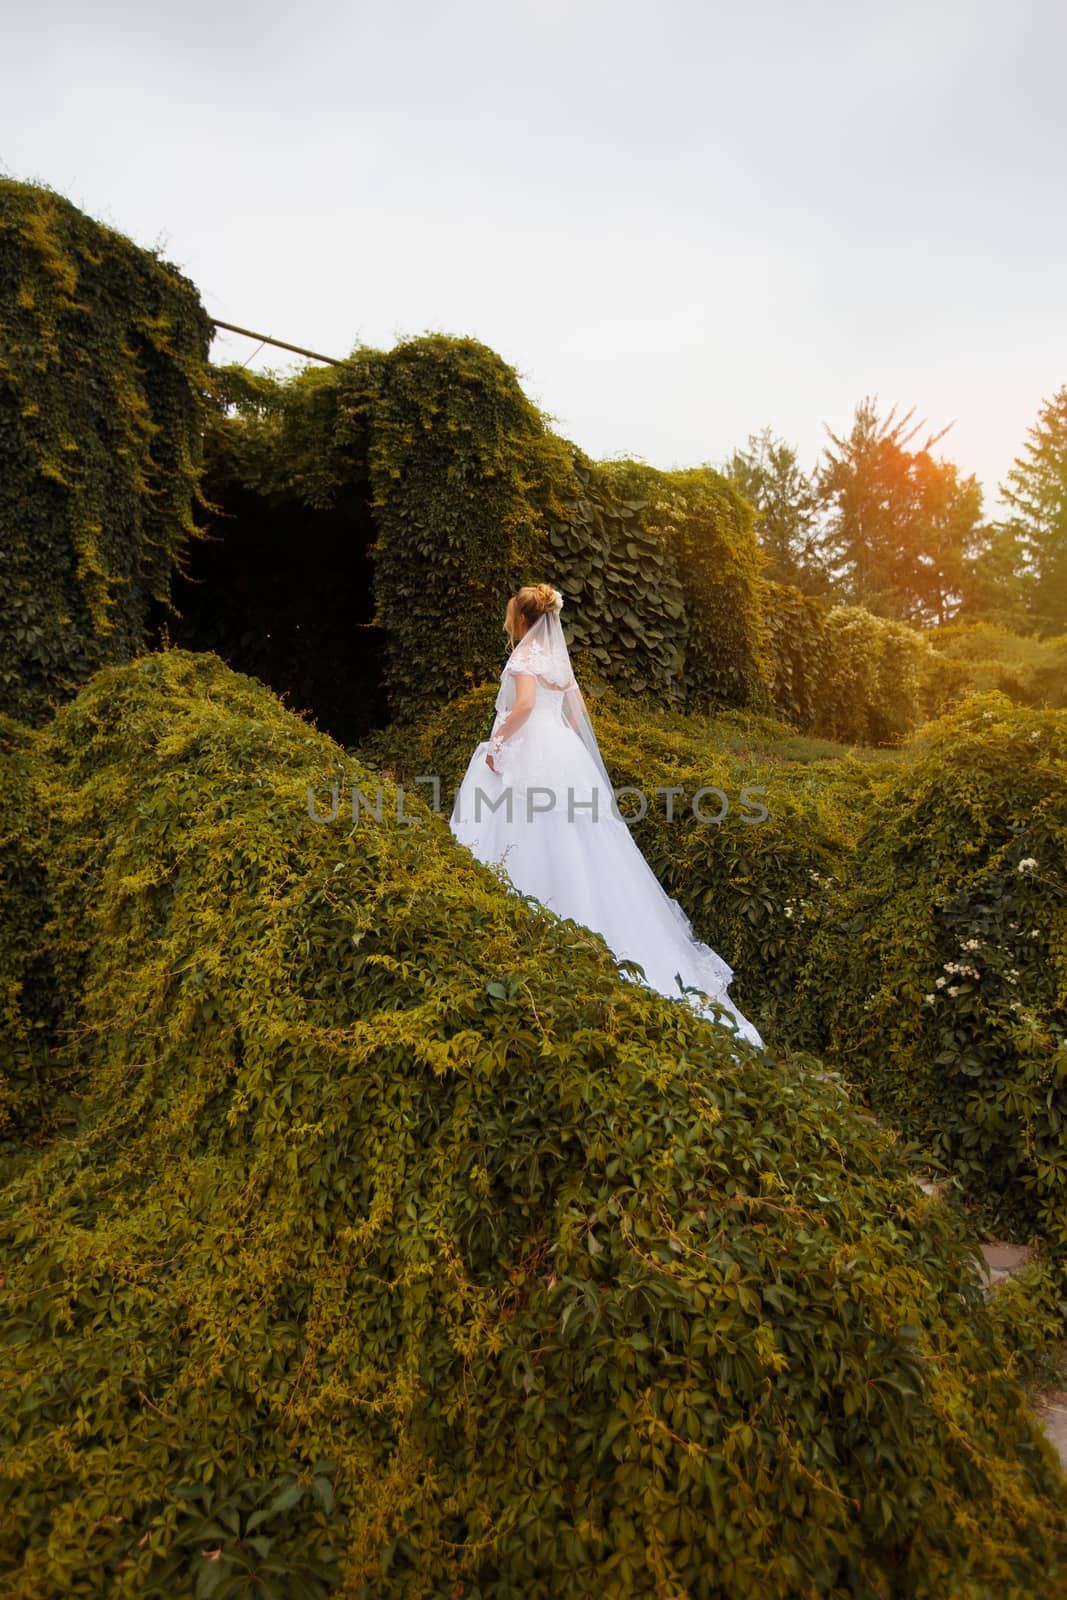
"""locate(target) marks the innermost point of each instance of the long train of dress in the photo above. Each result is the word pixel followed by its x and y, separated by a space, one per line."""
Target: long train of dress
pixel 537 816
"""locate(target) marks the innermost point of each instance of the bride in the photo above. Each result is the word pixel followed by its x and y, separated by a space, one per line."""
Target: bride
pixel 536 796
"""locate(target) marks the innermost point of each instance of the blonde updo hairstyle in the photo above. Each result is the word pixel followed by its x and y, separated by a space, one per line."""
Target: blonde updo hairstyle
pixel 529 603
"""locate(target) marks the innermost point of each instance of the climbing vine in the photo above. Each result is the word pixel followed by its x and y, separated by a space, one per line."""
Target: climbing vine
pixel 103 375
pixel 394 1240
pixel 455 452
pixel 625 615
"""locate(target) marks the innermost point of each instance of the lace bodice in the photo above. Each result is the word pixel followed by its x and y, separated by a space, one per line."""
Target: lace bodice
pixel 550 667
pixel 548 698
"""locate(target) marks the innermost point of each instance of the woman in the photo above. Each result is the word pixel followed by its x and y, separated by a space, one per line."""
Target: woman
pixel 536 796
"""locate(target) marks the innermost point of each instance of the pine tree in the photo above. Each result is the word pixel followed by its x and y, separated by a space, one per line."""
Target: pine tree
pixel 770 478
pixel 900 525
pixel 1036 491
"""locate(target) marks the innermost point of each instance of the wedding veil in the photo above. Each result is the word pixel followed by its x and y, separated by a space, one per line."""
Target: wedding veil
pixel 542 651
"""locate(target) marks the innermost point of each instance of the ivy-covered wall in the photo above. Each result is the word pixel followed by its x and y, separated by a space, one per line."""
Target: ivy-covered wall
pixel 103 377
pixel 625 612
pixel 709 530
pixel 462 467
pixel 472 495
pixel 458 474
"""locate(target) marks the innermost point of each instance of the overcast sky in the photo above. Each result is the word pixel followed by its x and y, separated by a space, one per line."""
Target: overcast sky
pixel 678 221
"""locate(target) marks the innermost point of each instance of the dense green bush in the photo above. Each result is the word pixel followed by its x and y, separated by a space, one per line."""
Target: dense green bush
pixel 398 1245
pixel 1028 670
pixel 461 467
pixel 845 674
pixel 103 385
pixel 936 973
pixel 856 690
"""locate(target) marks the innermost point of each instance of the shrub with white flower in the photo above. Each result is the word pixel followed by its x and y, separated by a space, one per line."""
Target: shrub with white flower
pixel 950 919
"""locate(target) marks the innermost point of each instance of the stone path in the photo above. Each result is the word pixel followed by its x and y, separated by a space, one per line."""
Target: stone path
pixel 1001 1260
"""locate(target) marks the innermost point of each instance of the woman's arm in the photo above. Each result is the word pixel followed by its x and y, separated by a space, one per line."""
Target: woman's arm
pixel 525 696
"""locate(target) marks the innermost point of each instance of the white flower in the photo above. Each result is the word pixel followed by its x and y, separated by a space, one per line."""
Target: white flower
pixel 1027 864
pixel 930 998
pixel 941 982
pixel 557 601
pixel 1035 933
pixel 953 989
pixel 972 944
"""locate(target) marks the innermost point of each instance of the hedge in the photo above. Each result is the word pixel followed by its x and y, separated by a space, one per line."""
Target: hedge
pixel 936 969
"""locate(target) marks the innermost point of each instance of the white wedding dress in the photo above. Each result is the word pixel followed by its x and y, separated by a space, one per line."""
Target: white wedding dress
pixel 580 864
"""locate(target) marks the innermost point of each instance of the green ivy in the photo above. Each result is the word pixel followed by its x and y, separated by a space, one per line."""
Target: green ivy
pixel 388 1209
pixel 937 974
pixel 625 608
pixel 28 1001
pixel 103 383
pixel 709 530
pixel 840 910
pixel 455 451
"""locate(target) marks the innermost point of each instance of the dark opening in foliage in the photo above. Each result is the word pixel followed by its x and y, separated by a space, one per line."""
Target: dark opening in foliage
pixel 285 591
